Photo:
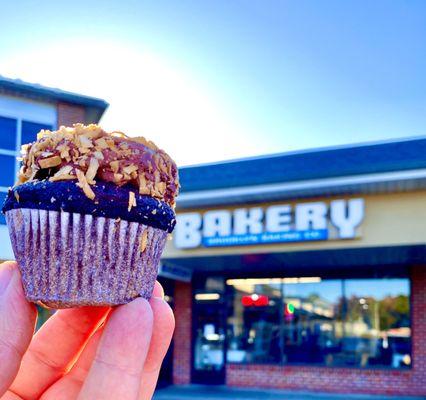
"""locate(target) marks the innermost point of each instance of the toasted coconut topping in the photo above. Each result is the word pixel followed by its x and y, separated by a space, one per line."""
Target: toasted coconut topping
pixel 143 240
pixel 49 162
pixel 92 170
pixel 82 182
pixel 132 201
pixel 63 174
pixel 90 152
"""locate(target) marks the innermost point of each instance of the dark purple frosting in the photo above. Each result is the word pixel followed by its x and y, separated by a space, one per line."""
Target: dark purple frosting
pixel 111 201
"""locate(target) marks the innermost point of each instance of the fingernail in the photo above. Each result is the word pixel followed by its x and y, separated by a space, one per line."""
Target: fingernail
pixel 6 274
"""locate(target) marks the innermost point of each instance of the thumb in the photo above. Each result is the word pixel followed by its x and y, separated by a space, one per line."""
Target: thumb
pixel 17 319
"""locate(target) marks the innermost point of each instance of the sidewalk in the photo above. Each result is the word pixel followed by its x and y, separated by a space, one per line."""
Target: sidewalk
pixel 221 392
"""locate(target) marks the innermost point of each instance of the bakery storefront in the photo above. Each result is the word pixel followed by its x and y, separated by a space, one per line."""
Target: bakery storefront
pixel 303 271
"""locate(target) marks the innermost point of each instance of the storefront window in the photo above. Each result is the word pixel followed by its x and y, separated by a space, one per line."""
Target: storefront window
pixel 348 323
pixel 255 323
pixel 377 323
pixel 312 323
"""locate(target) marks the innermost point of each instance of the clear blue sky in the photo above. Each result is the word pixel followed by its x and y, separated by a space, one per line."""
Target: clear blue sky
pixel 210 80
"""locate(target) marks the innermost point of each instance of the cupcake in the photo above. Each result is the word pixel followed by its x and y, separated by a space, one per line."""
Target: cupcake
pixel 90 215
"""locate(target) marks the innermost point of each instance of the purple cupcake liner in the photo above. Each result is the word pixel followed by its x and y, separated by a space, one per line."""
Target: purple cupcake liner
pixel 71 260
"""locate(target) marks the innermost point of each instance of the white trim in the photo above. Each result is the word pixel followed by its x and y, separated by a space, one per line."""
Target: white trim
pixel 12 153
pixel 283 188
pixel 18 143
pixel 28 110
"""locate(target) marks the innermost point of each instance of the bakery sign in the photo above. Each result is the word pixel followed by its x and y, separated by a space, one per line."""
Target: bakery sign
pixel 278 223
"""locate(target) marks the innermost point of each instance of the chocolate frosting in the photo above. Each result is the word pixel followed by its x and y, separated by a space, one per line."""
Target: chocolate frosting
pixel 110 201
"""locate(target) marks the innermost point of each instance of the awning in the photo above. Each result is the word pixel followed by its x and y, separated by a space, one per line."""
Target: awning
pixel 391 261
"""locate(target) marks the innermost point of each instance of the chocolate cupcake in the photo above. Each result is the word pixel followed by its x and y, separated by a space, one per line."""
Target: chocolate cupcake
pixel 89 216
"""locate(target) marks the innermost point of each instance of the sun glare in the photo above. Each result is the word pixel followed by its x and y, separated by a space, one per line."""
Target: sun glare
pixel 148 96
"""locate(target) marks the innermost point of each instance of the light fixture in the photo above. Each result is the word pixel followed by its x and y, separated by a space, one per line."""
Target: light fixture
pixel 271 281
pixel 309 279
pixel 207 296
pixel 253 281
pixel 212 336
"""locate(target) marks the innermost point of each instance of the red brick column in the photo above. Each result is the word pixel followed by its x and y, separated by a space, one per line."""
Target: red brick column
pixel 418 323
pixel 183 334
pixel 69 114
pixel 351 380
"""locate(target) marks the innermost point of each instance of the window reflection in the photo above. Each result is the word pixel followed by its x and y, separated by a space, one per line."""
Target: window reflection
pixel 254 325
pixel 312 325
pixel 357 323
pixel 377 322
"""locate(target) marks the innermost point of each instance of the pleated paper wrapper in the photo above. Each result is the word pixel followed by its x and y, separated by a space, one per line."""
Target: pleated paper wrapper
pixel 69 259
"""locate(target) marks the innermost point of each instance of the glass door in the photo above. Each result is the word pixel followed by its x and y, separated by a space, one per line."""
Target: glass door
pixel 209 338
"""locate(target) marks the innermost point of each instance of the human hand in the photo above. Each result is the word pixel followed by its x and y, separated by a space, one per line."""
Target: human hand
pixel 82 353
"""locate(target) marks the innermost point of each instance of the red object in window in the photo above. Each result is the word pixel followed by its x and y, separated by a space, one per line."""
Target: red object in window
pixel 255 300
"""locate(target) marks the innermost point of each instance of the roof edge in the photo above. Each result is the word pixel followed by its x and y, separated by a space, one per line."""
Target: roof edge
pixel 308 151
pixel 20 86
pixel 384 182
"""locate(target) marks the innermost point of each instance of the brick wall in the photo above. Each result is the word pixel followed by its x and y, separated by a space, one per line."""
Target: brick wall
pixel 183 331
pixel 345 380
pixel 69 114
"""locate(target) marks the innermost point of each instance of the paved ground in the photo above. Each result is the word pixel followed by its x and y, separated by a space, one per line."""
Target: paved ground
pixel 219 393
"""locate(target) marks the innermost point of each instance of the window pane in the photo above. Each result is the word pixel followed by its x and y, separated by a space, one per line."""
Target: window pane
pixel 377 323
pixel 2 200
pixel 254 321
pixel 7 170
pixel 30 130
pixel 7 133
pixel 312 321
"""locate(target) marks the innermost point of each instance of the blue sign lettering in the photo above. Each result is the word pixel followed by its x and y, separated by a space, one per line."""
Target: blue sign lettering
pixel 266 237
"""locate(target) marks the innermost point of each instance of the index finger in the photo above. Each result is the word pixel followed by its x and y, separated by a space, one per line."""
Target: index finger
pixel 55 348
pixel 117 368
pixel 17 320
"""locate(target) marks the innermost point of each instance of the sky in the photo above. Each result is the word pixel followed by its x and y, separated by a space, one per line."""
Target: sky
pixel 214 80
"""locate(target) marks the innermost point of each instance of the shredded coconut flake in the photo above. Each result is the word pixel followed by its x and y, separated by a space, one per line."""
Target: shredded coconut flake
pixel 82 182
pixel 63 174
pixel 143 241
pixel 50 162
pixel 92 170
pixel 132 200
